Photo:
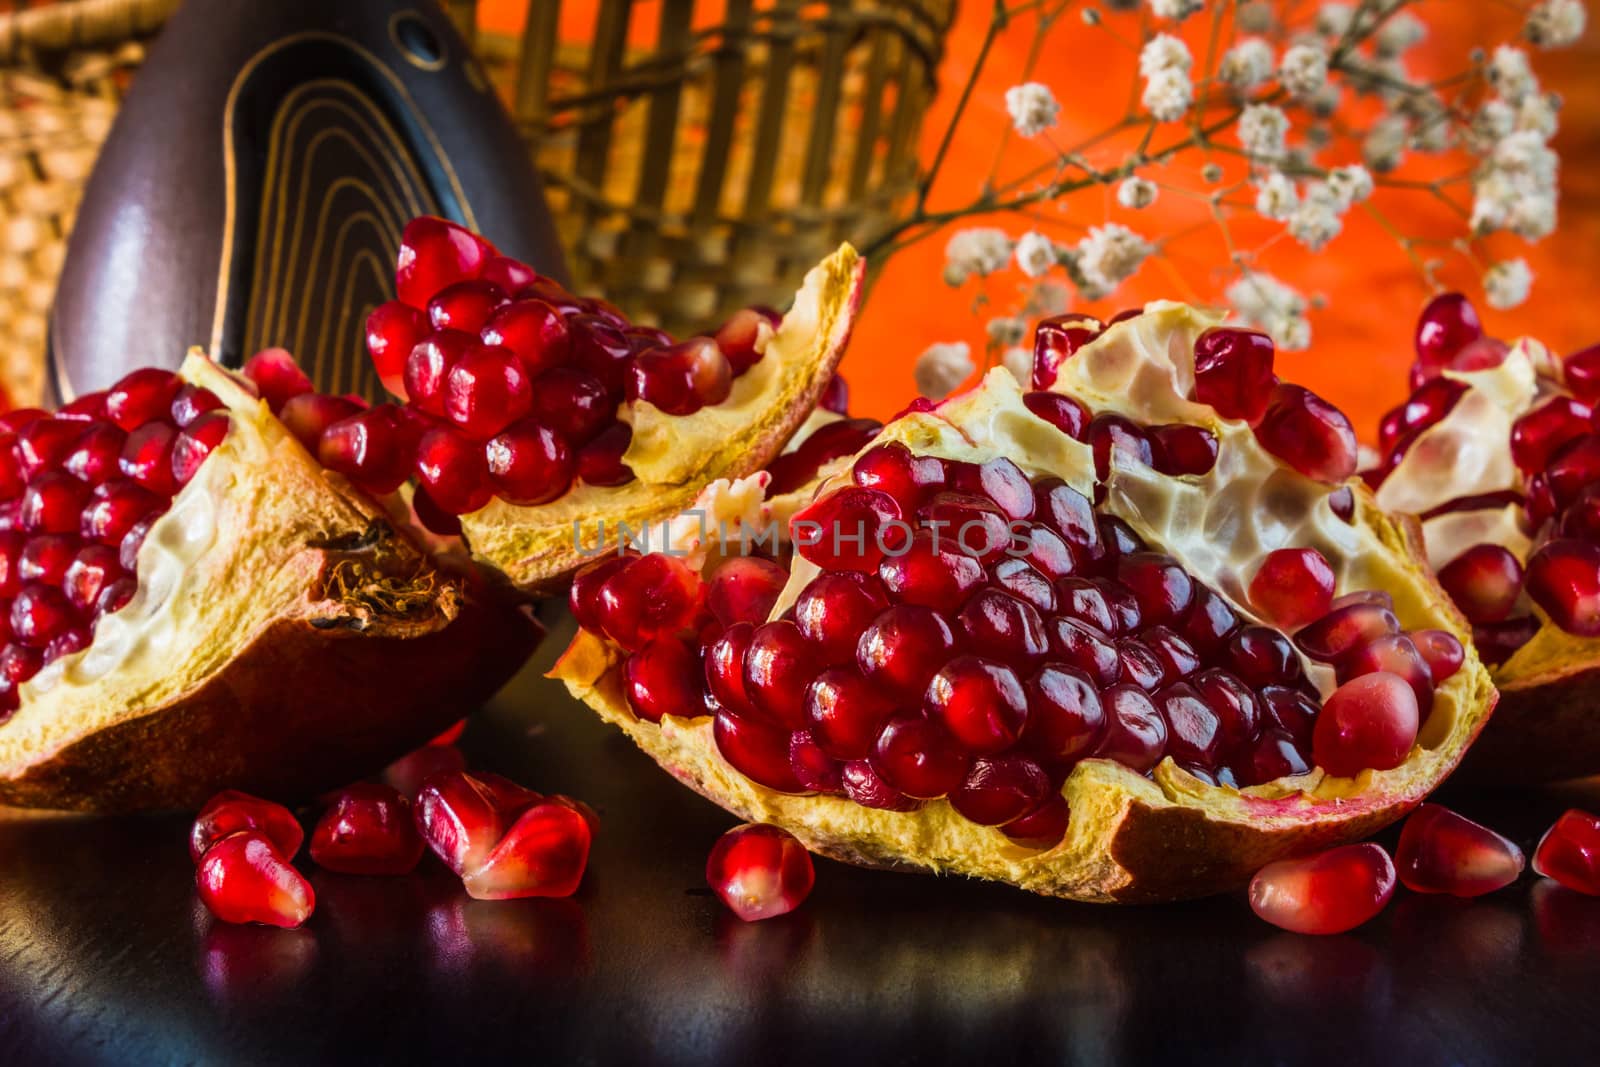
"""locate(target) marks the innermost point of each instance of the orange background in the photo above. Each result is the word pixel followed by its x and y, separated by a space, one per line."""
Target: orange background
pixel 1361 341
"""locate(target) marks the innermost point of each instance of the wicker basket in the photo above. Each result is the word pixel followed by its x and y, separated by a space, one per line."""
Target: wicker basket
pixel 699 155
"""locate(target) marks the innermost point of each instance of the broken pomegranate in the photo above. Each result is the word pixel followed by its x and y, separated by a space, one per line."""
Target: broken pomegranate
pixel 244 878
pixel 1569 852
pixel 368 829
pixel 1012 649
pixel 504 841
pixel 1327 893
pixel 191 602
pixel 1442 852
pixel 760 872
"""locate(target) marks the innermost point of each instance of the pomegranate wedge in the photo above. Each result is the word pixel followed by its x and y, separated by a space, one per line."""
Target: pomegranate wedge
pixel 1068 672
pixel 192 603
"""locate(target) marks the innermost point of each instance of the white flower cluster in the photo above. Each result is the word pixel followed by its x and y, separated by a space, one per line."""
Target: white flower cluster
pixel 1276 197
pixel 1108 257
pixel 1176 10
pixel 1263 131
pixel 1555 23
pixel 1033 108
pixel 1304 70
pixel 1035 254
pixel 1314 214
pixel 1135 192
pixel 1400 32
pixel 941 368
pixel 1264 302
pixel 1247 64
pixel 1164 63
pixel 1506 284
pixel 1385 144
pixel 978 251
pixel 1514 187
pixel 1006 330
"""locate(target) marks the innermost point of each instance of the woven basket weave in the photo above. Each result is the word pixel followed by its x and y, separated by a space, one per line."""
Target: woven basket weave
pixel 698 155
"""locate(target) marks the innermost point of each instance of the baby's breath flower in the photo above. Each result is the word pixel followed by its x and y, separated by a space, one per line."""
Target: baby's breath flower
pixel 1537 114
pixel 1033 108
pixel 1006 330
pixel 980 251
pixel 1262 131
pixel 1494 120
pixel 1401 31
pixel 1047 298
pixel 941 368
pixel 1035 254
pixel 1168 94
pixel 1506 284
pixel 1533 217
pixel 1555 23
pixel 1316 221
pixel 1019 361
pixel 1110 255
pixel 1334 20
pixel 1164 52
pixel 1276 197
pixel 1264 302
pixel 1351 184
pixel 1136 192
pixel 1385 144
pixel 1247 64
pixel 1510 74
pixel 1304 69
pixel 1176 10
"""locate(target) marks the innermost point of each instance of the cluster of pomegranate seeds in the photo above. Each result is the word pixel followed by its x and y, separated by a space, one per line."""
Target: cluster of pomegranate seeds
pixel 242 847
pixel 760 871
pixel 511 384
pixel 1442 852
pixel 1326 893
pixel 79 490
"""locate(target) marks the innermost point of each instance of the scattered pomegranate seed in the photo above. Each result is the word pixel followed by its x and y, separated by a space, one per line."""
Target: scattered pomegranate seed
pixel 1368 722
pixel 368 829
pixel 243 879
pixel 1294 586
pixel 1327 893
pixel 1233 372
pixel 1308 433
pixel 543 854
pixel 434 254
pixel 1396 654
pixel 760 871
pixel 1563 578
pixel 1569 852
pixel 461 816
pixel 1442 852
pixel 231 811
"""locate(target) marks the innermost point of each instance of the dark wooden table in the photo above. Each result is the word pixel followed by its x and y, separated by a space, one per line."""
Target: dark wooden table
pixel 105 955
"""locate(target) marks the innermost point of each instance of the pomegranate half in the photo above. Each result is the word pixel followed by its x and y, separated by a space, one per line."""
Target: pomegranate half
pixel 1135 701
pixel 262 627
pixel 1497 451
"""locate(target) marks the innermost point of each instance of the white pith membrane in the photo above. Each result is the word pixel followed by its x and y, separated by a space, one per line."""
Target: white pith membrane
pixel 1130 837
pixel 674 456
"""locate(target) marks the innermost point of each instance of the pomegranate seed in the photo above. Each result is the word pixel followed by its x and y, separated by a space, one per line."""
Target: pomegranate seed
pixel 1162 588
pixel 1020 579
pixel 1368 722
pixel 46 557
pixel 1346 627
pixel 1396 654
pixel 835 396
pixel 510 275
pixel 1044 827
pixel 902 649
pixel 393 330
pixel 1194 730
pixel 756 750
pixel 66 643
pixel 1078 644
pixel 192 401
pixel 486 390
pixel 663 678
pixel 834 610
pixel 92 569
pixel 115 508
pixel 147 457
pixel 95 457
pixel 141 396
pixel 999 626
pixel 1181 449
pixel 1342 502
pixel 1065 716
pixel 462 816
pixel 1000 789
pixel 931 571
pixel 744 589
pixel 832 441
pixel 602 349
pixel 1139 664
pixel 543 854
pixel 980 701
pixel 816 771
pixel 90 407
pixel 1238 717
pixel 529 463
pixel 434 254
pixel 1136 734
pixel 968 522
pixel 724 663
pixel 192 445
pixel 1498 641
pixel 464 306
pixel 1581 520
pixel 998 480
pixel 1581 373
pixel 777 667
pixel 273 372
pixel 1573 467
pixel 863 785
pixel 1210 623
pixel 230 812
pixel 1063 412
pixel 451 467
pixel 680 379
pixel 369 449
pixel 1233 372
pixel 115 597
pixel 1442 852
pixel 920 758
pixel 1176 657
pixel 572 402
pixel 583 598
pixel 738 338
pixel 1057 339
pixel 409 772
pixel 892 468
pixel 1447 324
pixel 1484 581
pixel 1109 434
pixel 1563 578
pixel 19 663
pixel 52 502
pixel 243 879
pixel 1084 600
pixel 45 444
pixel 1442 652
pixel 309 415
pixel 846 713
pixel 428 366
pixel 1261 656
pixel 1293 586
pixel 760 872
pixel 1308 433
pixel 369 829
pixel 649 596
pixel 1327 893
pixel 1536 435
pixel 1569 852
pixel 850 529
pixel 538 334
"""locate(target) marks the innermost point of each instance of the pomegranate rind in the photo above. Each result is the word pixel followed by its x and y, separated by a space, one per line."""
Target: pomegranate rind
pixel 1129 838
pixel 1545 728
pixel 674 457
pixel 285 639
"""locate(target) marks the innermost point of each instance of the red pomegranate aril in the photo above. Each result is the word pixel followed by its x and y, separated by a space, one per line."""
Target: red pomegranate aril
pixel 96 455
pixel 863 785
pixel 1001 482
pixel 1194 730
pixel 648 596
pixel 428 366
pixel 1162 588
pixel 12 543
pixel 1326 893
pixel 486 390
pixel 1065 413
pixel 53 502
pixel 368 829
pixel 1581 373
pixel 835 395
pixel 1484 581
pixel 756 749
pixel 1572 468
pixel 91 569
pixel 465 306
pixel 393 330
pixel 1233 372
pixel 309 415
pixel 510 275
pixel 1292 587
pixel 434 254
pixel 1056 340
pixel 918 757
pixel 759 872
pixel 583 597
pixel 902 649
pixel 1238 717
pixel 1260 656
pixel 147 457
pixel 892 468
pixel 849 529
pixel 1209 624
pixel 1369 723
pixel 1182 449
pixel 1396 654
pixel 230 812
pixel 834 610
pixel 1431 402
pixel 115 597
pixel 724 669
pixel 529 463
pixel 1085 600
pixel 244 879
pixel 368 448
pixel 461 815
pixel 846 713
pixel 538 334
pixel 1275 755
pixel 995 624
pixel 45 444
pixel 1069 513
pixel 1569 852
pixel 680 379
pixel 1109 433
pixel 744 589
pixel 39 614
pixel 831 441
pixel 966 523
pixel 115 508
pixel 543 854
pixel 1447 324
pixel 66 643
pixel 1536 435
pixel 663 678
pixel 1309 434
pixel 1442 852
pixel 980 701
pixel 193 444
pixel 1342 502
pixel 452 468
pixel 931 571
pixel 1080 645
pixel 1289 710
pixel 273 372
pixel 1043 827
pixel 90 407
pixel 1176 656
pixel 18 663
pixel 572 402
pixel 817 771
pixel 1563 578
pixel 600 347
pixel 12 478
pixel 1136 734
pixel 1347 626
pixel 737 340
pixel 1019 578
pixel 141 396
pixel 1139 665
pixel 777 667
pixel 1442 652
pixel 1065 714
pixel 1000 789
pixel 1581 519
pixel 46 557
